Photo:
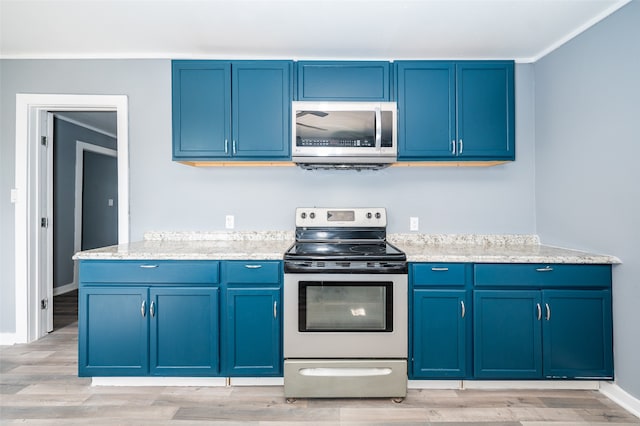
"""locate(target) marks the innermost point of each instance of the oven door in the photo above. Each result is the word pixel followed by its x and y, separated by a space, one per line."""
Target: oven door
pixel 345 316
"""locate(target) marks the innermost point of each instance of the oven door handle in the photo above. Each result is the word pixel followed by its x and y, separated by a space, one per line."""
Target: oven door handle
pixel 275 309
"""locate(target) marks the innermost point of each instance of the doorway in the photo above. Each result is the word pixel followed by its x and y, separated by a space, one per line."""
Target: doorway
pixel 33 271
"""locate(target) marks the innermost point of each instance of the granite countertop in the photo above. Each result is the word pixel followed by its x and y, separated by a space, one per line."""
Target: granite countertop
pixel 198 246
pixel 271 245
pixel 490 249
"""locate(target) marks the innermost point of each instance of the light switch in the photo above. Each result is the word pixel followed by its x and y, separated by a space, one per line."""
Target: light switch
pixel 229 221
pixel 110 202
pixel 414 223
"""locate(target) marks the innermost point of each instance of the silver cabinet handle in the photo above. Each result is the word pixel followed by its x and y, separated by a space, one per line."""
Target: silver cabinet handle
pixel 548 317
pixel 253 266
pixel 148 266
pixel 539 311
pixel 143 308
pixel 275 309
pixel 460 147
pixel 233 147
pixel 152 309
pixel 545 269
pixel 226 146
pixel 464 311
pixel 439 269
pixel 453 146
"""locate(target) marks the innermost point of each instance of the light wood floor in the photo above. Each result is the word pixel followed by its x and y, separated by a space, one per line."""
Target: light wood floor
pixel 39 385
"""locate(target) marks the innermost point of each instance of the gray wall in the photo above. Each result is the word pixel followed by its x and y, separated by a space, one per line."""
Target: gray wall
pixel 587 175
pixel 64 156
pixel 170 196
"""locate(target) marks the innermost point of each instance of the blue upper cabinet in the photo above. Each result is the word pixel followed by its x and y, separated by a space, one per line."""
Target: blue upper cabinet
pixel 201 108
pixel 485 110
pixel 231 110
pixel 426 104
pixel 455 110
pixel 261 103
pixel 343 81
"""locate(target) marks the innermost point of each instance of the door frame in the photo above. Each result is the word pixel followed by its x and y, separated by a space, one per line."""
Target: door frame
pixel 28 187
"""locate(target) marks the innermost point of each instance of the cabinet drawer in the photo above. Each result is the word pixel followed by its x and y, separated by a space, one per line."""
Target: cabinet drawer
pixel 150 271
pixel 542 275
pixel 252 272
pixel 439 274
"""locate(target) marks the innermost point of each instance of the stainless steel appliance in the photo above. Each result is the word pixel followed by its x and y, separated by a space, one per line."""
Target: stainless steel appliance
pixel 345 307
pixel 360 135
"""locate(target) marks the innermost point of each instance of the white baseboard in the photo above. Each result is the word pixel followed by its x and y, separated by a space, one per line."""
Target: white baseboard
pixel 434 384
pixel 159 381
pixel 8 339
pixel 505 384
pixel 256 381
pixel 187 381
pixel 62 289
pixel 532 384
pixel 621 397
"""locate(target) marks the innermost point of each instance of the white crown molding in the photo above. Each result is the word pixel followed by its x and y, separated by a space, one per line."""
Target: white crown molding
pixel 573 34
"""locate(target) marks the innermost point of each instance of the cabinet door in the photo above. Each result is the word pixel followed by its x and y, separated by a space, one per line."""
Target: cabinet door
pixel 577 333
pixel 426 109
pixel 184 331
pixel 485 110
pixel 439 348
pixel 262 94
pixel 201 109
pixel 113 331
pixel 343 81
pixel 507 334
pixel 254 342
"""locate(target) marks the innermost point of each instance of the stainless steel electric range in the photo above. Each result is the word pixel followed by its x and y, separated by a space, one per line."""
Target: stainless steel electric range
pixel 345 307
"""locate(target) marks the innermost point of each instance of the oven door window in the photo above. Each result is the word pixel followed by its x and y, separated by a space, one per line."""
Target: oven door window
pixel 345 306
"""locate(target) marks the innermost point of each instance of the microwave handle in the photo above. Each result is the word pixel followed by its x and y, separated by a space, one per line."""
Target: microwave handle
pixel 378 128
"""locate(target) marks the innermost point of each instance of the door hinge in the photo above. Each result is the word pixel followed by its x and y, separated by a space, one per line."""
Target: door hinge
pixel 43 141
pixel 44 303
pixel 44 222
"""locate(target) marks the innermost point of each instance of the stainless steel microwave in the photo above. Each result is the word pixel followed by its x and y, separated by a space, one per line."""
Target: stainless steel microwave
pixel 344 134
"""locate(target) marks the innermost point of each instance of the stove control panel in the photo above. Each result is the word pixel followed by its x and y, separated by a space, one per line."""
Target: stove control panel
pixel 341 217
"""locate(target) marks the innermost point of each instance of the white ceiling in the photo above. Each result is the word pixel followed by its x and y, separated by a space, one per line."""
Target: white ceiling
pixel 524 30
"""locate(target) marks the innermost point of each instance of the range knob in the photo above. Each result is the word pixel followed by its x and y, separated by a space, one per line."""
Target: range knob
pixel 312 215
pixel 369 215
pixel 303 215
pixel 378 215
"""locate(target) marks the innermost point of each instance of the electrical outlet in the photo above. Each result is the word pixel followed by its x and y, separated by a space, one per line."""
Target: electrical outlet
pixel 229 221
pixel 414 223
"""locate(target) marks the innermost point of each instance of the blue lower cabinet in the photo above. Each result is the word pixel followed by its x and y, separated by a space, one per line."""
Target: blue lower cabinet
pixel 534 334
pixel 184 338
pixel 253 346
pixel 577 334
pixel 441 320
pixel 507 334
pixel 113 331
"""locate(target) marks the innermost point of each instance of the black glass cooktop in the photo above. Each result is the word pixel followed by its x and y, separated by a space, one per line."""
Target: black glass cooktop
pixel 344 251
